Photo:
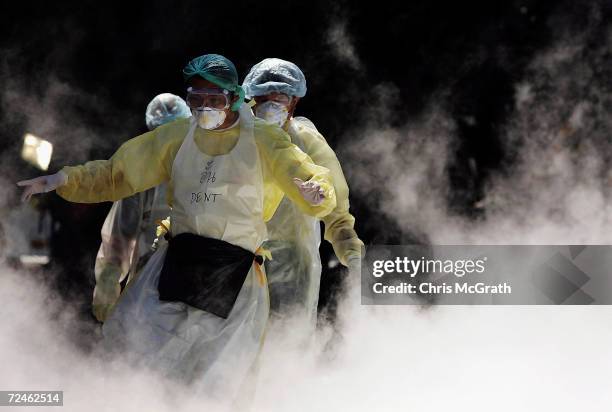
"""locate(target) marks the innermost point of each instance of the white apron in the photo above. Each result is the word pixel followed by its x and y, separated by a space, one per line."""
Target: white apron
pixel 219 197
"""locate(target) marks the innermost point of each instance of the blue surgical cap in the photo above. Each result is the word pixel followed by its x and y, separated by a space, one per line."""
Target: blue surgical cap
pixel 218 70
pixel 165 108
pixel 275 75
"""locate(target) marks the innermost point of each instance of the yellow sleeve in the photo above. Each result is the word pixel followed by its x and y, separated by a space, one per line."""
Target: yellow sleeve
pixel 283 161
pixel 339 224
pixel 140 164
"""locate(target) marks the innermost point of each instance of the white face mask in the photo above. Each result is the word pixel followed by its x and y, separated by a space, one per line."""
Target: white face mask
pixel 208 118
pixel 272 112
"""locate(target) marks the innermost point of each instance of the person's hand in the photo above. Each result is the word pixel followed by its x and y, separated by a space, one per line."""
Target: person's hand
pixel 310 191
pixel 104 298
pixel 42 184
pixel 354 266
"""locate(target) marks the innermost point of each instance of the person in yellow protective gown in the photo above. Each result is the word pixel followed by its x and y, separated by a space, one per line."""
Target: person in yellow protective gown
pixel 294 275
pixel 198 309
pixel 129 228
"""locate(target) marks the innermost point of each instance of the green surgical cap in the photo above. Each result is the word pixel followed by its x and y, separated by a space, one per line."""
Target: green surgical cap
pixel 218 70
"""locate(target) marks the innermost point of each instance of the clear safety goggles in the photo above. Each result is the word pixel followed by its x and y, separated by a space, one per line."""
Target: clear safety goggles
pixel 281 98
pixel 212 98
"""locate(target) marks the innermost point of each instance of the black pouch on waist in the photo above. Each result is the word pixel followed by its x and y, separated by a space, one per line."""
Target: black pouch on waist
pixel 203 272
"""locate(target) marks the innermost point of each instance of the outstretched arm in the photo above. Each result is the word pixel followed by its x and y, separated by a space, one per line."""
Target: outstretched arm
pixel 304 183
pixel 139 164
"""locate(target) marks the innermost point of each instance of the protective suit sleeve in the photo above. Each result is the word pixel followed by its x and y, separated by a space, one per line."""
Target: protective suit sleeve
pixel 283 161
pixel 339 224
pixel 139 164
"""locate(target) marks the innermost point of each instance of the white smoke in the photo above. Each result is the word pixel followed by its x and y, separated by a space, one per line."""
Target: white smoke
pixel 389 359
pixel 341 44
pixel 38 353
pixel 557 189
pixel 55 110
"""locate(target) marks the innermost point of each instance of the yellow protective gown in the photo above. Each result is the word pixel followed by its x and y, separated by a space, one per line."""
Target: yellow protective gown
pixel 295 272
pixel 146 161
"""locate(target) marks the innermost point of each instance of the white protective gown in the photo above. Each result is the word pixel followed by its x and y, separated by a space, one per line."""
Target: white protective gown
pixel 219 197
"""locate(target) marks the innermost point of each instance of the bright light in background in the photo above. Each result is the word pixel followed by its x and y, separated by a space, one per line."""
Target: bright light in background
pixel 36 151
pixel 34 260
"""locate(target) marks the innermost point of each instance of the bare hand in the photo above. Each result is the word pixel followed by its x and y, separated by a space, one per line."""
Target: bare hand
pixel 42 184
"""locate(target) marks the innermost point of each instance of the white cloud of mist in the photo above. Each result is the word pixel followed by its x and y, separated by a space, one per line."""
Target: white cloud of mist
pixel 559 187
pixel 406 358
pixel 341 44
pixel 38 352
pixel 56 110
pixel 453 358
pixel 389 359
pixel 405 170
pixel 38 98
pixel 557 190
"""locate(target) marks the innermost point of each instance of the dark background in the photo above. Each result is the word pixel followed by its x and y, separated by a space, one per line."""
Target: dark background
pixel 93 66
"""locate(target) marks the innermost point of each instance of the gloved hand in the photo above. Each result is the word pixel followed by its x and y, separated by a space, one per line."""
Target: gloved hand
pixel 42 184
pixel 105 296
pixel 354 266
pixel 311 191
